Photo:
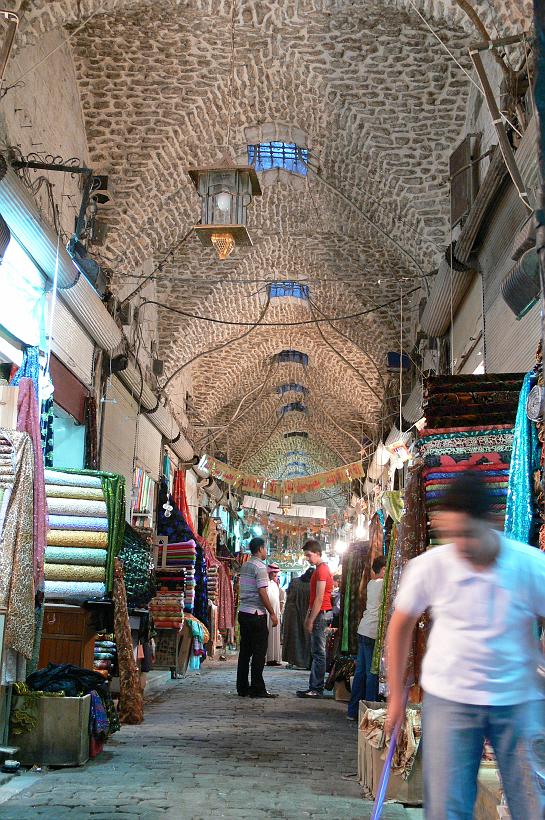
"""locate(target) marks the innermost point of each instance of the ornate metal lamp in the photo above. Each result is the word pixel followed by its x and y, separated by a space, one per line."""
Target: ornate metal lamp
pixel 226 194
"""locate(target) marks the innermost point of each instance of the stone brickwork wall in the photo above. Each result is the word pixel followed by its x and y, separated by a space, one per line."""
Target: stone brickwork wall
pixel 374 95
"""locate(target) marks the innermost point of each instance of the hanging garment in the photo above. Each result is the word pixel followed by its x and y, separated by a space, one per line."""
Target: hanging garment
pixel 28 421
pixel 131 701
pixel 17 547
pixel 274 646
pixel 295 638
pixel 520 511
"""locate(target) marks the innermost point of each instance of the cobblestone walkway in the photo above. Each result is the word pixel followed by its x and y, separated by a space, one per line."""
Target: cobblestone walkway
pixel 205 753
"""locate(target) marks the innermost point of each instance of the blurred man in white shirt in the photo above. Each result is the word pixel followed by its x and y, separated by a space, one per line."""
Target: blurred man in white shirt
pixel 480 670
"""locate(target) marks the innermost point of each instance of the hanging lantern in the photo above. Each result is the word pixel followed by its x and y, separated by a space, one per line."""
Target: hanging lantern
pixel 225 194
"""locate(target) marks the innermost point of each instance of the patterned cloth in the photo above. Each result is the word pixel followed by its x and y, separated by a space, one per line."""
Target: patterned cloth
pixel 17 545
pixel 131 701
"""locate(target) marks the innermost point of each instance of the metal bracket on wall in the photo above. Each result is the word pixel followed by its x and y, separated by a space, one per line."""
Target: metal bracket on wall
pixel 505 145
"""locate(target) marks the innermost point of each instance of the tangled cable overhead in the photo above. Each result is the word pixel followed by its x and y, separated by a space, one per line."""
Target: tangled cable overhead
pixel 301 322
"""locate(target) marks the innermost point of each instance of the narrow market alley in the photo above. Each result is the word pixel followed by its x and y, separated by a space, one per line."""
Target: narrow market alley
pixel 204 753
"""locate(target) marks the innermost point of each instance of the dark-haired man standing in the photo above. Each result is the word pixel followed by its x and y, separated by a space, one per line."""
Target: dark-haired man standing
pixel 321 585
pixel 479 675
pixel 252 618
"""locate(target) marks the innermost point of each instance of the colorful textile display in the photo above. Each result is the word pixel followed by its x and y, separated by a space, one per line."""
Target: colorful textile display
pixel 520 518
pixel 180 533
pixel 17 540
pixel 76 555
pixel 77 538
pixel 87 520
pixel 131 700
pixel 28 421
pixel 476 441
pixel 356 565
pixel 74 591
pixel 77 507
pixel 167 610
pixel 138 569
pixel 105 655
pixel 69 572
pixel 76 522
pixel 69 491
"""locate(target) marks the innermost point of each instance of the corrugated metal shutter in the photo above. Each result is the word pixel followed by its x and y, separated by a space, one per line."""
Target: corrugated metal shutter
pixel 495 256
pixel 467 330
pixel 510 343
pixel 72 345
pixel 149 447
pixel 119 434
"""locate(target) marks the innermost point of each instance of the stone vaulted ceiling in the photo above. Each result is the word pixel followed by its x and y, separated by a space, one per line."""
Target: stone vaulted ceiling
pixel 369 89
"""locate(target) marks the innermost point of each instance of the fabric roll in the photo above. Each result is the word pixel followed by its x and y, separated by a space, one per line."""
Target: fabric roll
pixel 77 522
pixel 68 491
pixel 76 555
pixel 77 507
pixel 67 572
pixel 75 538
pixel 72 479
pixel 73 590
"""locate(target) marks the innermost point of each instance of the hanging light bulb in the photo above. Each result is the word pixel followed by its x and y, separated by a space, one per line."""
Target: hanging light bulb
pixel 340 546
pixel 223 201
pixel 224 244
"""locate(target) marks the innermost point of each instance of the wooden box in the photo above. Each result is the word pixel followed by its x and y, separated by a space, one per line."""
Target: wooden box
pixel 67 636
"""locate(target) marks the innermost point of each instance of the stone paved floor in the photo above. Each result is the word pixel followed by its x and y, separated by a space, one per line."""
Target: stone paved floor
pixel 205 753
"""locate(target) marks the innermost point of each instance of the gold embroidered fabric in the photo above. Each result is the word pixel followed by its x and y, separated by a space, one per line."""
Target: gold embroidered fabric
pixel 17 546
pixel 71 572
pixel 77 538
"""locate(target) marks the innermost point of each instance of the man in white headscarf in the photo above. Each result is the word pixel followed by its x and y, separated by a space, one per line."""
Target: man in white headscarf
pixel 274 649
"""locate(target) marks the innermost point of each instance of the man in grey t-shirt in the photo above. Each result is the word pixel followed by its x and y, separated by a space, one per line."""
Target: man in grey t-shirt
pixel 252 618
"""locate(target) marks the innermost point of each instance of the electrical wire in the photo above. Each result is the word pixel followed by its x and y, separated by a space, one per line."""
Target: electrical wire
pixel 344 359
pixel 348 339
pixel 217 348
pixel 299 323
pixel 458 63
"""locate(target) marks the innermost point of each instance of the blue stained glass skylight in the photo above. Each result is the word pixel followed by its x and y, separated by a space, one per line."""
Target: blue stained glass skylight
pixel 291 387
pixel 284 289
pixel 286 155
pixel 294 356
pixel 292 407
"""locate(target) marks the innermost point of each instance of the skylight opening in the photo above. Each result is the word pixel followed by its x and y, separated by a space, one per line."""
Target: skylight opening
pixel 292 407
pixel 291 387
pixel 285 155
pixel 288 290
pixel 294 356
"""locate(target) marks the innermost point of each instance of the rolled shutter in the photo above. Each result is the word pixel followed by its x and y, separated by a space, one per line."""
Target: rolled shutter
pixel 148 448
pixel 119 434
pixel 72 345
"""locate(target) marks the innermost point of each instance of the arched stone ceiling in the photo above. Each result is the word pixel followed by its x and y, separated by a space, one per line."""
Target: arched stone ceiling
pixel 381 104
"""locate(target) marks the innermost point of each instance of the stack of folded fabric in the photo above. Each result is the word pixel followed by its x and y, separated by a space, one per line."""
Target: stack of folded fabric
pixel 105 656
pixel 213 585
pixel 76 556
pixel 470 426
pixel 86 529
pixel 167 610
pixel 176 559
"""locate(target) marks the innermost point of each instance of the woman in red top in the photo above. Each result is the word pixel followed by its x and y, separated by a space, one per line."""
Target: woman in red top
pixel 321 585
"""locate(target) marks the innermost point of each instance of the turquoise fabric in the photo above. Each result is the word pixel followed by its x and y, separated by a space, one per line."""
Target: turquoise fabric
pixel 519 515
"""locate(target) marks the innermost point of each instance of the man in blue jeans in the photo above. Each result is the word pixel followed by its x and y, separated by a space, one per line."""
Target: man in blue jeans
pixel 479 674
pixel 365 683
pixel 321 586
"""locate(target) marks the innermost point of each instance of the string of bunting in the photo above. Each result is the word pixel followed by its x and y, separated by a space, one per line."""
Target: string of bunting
pixel 293 486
